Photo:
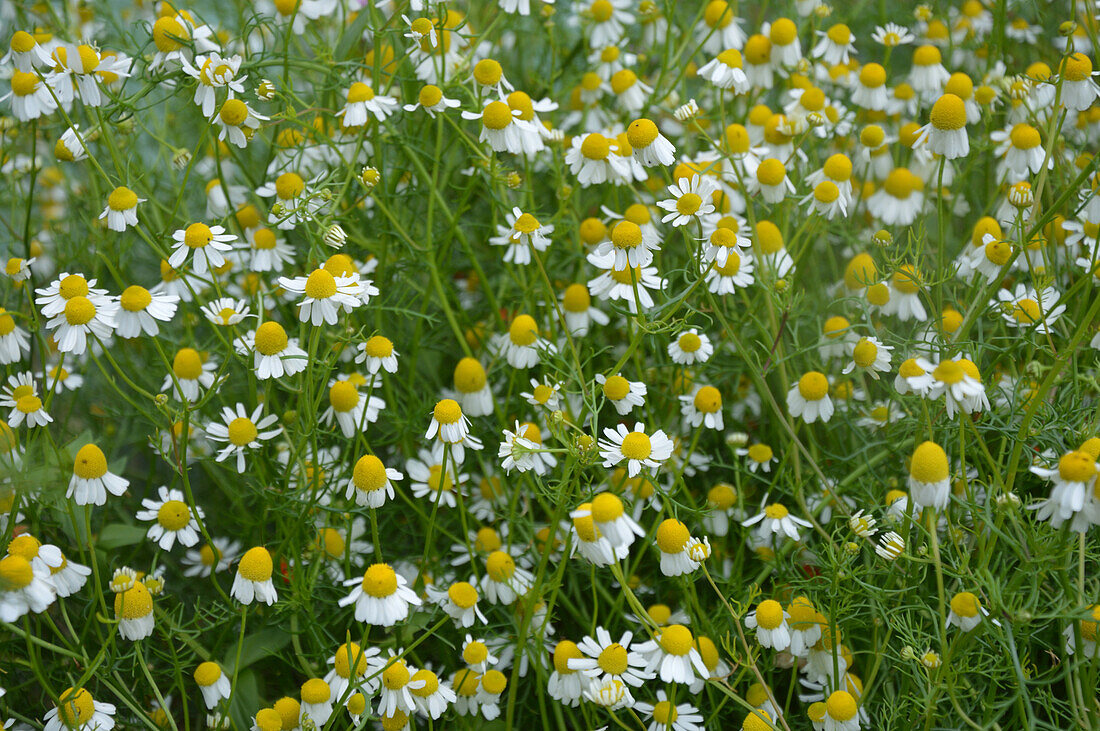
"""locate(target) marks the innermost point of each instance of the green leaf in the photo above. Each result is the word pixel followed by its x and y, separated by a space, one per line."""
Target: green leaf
pixel 117 535
pixel 256 647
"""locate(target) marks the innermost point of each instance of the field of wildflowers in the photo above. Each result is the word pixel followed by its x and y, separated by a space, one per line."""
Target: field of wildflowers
pixel 624 364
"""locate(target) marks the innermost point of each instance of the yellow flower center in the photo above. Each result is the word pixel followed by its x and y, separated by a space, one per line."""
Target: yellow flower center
pixel 345 655
pixel 447 411
pixel 369 474
pixel 343 396
pixel 626 235
pixel 813 386
pixel 948 371
pixel 233 112
pixel 965 604
pixel 672 536
pixel 134 603
pixel 79 311
pixel 462 594
pixel 929 464
pixel 907 279
pixel 776 511
pixel 1026 311
pixel 169 34
pixel 256 564
pixel 676 639
pixel 380 580
pixel 135 299
pixel 469 376
pixel 595 146
pixel 500 566
pixel 576 298
pixel 315 691
pixel 360 92
pixel 1076 467
pixel 1077 67
pixel 523 331
pixel 15 573
pixel 718 14
pixel 565 651
pixel 242 432
pixel 271 338
pixel 606 507
pixel 77 707
pixel 90 463
pixel 688 204
pixel 1024 137
pixel 268 719
pixel 187 364
pixel 497 115
pixel 760 453
pixel 769 614
pixel 732 266
pixel 641 133
pixel 708 400
pixel 494 682
pixel 207 673
pixel 430 95
pixel 865 353
pixel 23 83
pixel 636 445
pixel 320 284
pixel 289 186
pixel 174 515
pixel 841 705
pixel 771 172
pixel 487 540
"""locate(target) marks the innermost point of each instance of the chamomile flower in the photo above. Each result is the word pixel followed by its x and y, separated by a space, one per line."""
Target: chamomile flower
pixel 691 200
pixel 173 520
pixel 1026 308
pixel 121 210
pixel 681 553
pixel 351 409
pixel 611 520
pixel 501 128
pixel 503 581
pixel 522 234
pixel 760 457
pixel 324 295
pixel 430 479
pixel 870 356
pixel 951 379
pixel 1020 150
pixel 967 611
pixel 600 659
pixel 566 685
pixel 576 302
pixel 736 273
pixel 726 71
pixel 721 27
pixel 241 431
pixel 92 480
pixel 274 355
pixel 460 602
pixel 928 76
pixel 929 477
pixel 226 311
pixel 25 586
pixel 211 557
pixel 253 579
pixel 14 340
pixel 592 160
pixel 82 316
pixel 213 683
pixel 673 656
pixel 631 285
pixel 30 96
pixel 770 622
pixel 522 345
pixel 372 482
pixel 809 398
pixel 473 392
pixel 134 612
pixel 892 35
pixel 79 711
pixel 1079 91
pixel 522 449
pixel 192 371
pixel 139 311
pixel 834 45
pixel 635 447
pixel 267 252
pixel 770 181
pixel 212 72
pixel 649 147
pixel 237 122
pixel 431 99
pixel 1072 497
pixel 702 407
pixel 776 519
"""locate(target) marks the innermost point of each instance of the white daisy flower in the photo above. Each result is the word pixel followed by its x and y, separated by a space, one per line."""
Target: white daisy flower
pixel 173 520
pixel 636 447
pixel 242 431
